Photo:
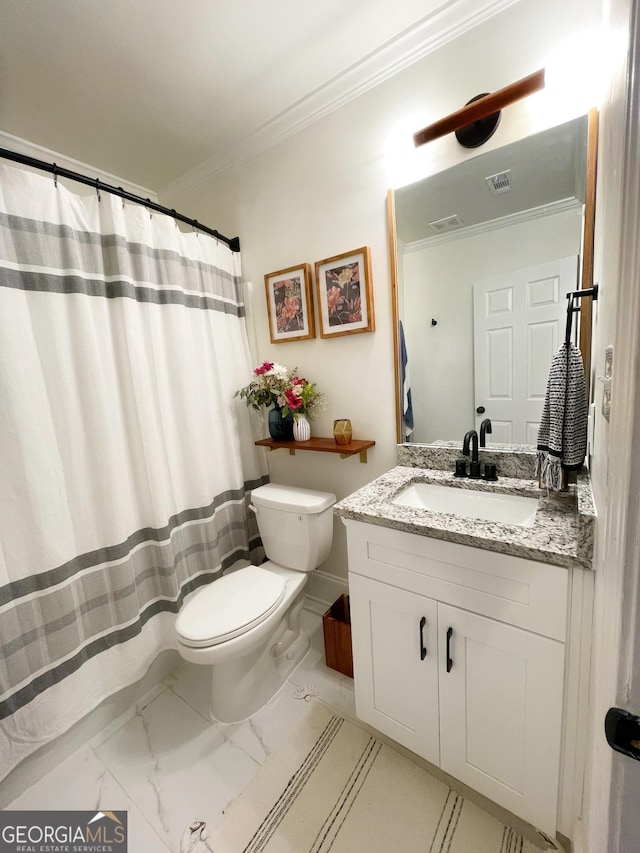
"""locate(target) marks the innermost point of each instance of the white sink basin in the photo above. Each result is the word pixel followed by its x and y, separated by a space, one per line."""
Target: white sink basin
pixel 489 506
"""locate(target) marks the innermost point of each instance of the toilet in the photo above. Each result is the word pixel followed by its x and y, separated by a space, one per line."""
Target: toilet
pixel 246 625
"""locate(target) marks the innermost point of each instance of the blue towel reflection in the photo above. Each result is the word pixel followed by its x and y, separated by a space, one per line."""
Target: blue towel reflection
pixel 407 407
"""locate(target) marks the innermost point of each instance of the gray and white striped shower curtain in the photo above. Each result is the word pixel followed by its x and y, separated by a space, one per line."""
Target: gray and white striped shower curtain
pixel 125 462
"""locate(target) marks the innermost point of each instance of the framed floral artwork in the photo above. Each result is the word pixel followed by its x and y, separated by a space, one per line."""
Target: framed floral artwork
pixel 290 304
pixel 344 291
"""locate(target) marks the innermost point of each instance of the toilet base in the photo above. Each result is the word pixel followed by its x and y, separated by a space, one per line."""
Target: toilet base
pixel 252 688
pixel 240 687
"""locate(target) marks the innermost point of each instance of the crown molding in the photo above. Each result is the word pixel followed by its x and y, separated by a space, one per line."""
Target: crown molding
pixel 450 20
pixel 31 149
pixel 555 207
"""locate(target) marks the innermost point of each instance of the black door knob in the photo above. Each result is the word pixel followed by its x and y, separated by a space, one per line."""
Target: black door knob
pixel 481 410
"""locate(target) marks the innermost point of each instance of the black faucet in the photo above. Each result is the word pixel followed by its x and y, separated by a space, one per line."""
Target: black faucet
pixel 474 468
pixel 485 427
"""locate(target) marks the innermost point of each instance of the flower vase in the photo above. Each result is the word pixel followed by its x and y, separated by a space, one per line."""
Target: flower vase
pixel 280 429
pixel 301 428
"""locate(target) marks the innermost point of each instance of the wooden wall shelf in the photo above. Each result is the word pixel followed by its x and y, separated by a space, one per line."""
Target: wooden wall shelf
pixel 321 445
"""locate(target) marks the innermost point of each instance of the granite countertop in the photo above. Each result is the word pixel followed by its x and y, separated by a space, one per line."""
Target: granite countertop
pixel 562 533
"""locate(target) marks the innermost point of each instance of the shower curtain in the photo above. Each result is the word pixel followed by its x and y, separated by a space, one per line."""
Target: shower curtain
pixel 125 462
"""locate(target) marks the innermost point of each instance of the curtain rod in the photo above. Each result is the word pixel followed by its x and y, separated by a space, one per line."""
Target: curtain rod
pixel 58 171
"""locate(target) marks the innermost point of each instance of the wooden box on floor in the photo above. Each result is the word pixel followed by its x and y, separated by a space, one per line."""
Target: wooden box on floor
pixel 336 624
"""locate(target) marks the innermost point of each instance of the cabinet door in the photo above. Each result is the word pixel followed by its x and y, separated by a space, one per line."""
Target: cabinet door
pixel 395 663
pixel 501 711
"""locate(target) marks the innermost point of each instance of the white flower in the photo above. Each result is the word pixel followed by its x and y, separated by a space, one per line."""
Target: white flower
pixel 278 370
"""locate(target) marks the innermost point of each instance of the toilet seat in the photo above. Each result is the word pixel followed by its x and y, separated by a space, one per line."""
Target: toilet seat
pixel 229 607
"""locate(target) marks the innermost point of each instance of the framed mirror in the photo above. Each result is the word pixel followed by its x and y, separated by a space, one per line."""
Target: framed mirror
pixel 482 256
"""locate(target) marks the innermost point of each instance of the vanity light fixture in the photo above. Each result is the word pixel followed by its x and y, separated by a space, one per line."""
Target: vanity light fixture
pixel 477 121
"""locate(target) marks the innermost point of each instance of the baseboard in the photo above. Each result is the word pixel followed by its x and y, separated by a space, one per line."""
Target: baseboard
pixel 325 588
pixel 578 843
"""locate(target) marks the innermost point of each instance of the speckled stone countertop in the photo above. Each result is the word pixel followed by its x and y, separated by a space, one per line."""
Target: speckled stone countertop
pixel 562 533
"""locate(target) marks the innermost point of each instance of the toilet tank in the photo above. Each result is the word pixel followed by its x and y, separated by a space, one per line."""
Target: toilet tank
pixel 296 525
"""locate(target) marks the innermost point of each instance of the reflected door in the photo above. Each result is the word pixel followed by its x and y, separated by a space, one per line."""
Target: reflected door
pixel 519 323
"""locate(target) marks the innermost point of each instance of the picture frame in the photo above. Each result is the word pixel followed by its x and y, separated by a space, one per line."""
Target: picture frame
pixel 290 304
pixel 344 294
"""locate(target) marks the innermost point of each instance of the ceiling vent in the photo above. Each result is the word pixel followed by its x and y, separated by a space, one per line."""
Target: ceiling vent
pixel 500 183
pixel 449 223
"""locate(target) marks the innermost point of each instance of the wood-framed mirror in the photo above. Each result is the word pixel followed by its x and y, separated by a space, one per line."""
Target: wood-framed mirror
pixel 474 235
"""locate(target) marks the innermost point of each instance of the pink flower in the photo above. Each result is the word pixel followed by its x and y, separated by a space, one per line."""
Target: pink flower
pixel 264 367
pixel 291 307
pixel 293 400
pixel 355 310
pixel 334 295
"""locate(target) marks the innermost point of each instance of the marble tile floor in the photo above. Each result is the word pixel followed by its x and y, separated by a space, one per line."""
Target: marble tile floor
pixel 167 765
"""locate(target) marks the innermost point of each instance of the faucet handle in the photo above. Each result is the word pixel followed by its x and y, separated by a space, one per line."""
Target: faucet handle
pixel 490 472
pixel 461 468
pixel 474 470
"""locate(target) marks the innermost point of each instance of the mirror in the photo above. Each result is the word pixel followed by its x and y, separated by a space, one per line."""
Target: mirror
pixel 482 255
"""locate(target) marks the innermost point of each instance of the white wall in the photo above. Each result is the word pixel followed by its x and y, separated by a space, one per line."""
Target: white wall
pixel 323 192
pixel 439 283
pixel 614 469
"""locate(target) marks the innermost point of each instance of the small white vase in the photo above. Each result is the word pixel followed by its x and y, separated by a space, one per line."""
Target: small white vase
pixel 301 428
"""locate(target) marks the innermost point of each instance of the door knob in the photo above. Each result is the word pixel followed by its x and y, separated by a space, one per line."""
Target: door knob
pixel 622 730
pixel 480 410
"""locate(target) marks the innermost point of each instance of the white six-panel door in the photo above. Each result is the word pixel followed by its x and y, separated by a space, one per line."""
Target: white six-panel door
pixel 519 323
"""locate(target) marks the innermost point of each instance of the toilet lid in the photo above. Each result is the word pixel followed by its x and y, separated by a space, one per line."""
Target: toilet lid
pixel 229 606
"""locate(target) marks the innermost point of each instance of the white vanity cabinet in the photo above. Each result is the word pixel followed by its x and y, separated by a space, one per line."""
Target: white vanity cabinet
pixel 394 638
pixel 459 655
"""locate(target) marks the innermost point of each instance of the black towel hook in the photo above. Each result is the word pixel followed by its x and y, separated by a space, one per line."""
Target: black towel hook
pixel 573 306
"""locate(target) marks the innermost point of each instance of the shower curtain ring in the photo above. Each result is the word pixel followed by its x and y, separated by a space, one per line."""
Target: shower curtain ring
pixel 98 188
pixel 122 196
pixel 55 175
pixel 150 211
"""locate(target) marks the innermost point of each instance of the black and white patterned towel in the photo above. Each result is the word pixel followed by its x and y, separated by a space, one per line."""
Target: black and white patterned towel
pixel 562 437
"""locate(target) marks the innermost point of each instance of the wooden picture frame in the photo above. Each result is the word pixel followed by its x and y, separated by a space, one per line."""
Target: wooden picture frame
pixel 344 294
pixel 290 304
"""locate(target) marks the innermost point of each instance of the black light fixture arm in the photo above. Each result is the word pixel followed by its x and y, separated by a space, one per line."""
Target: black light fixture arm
pixel 60 172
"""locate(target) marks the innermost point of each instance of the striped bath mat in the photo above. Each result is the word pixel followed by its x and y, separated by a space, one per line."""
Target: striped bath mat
pixel 335 788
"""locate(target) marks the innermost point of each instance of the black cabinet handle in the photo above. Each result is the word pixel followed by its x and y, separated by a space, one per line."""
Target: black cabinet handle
pixel 423 649
pixel 449 661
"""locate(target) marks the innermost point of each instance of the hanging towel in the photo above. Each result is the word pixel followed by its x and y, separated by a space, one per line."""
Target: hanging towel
pixel 407 406
pixel 562 437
